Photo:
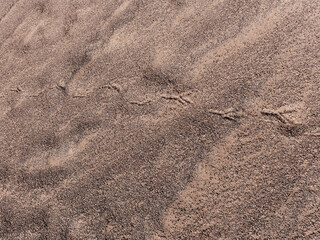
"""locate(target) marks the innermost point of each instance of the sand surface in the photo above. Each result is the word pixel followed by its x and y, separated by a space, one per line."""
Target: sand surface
pixel 167 119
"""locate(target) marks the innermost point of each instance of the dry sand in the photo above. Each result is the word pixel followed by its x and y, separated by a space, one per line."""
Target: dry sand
pixel 168 119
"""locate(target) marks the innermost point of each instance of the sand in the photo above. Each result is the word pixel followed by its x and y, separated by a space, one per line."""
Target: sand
pixel 168 119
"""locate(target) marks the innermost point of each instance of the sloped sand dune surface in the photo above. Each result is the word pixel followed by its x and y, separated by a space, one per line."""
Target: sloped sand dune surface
pixel 168 119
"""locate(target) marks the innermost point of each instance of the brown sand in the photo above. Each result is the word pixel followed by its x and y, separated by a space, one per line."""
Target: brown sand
pixel 168 119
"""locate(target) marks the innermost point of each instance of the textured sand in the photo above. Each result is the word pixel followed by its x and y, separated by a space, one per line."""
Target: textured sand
pixel 167 119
